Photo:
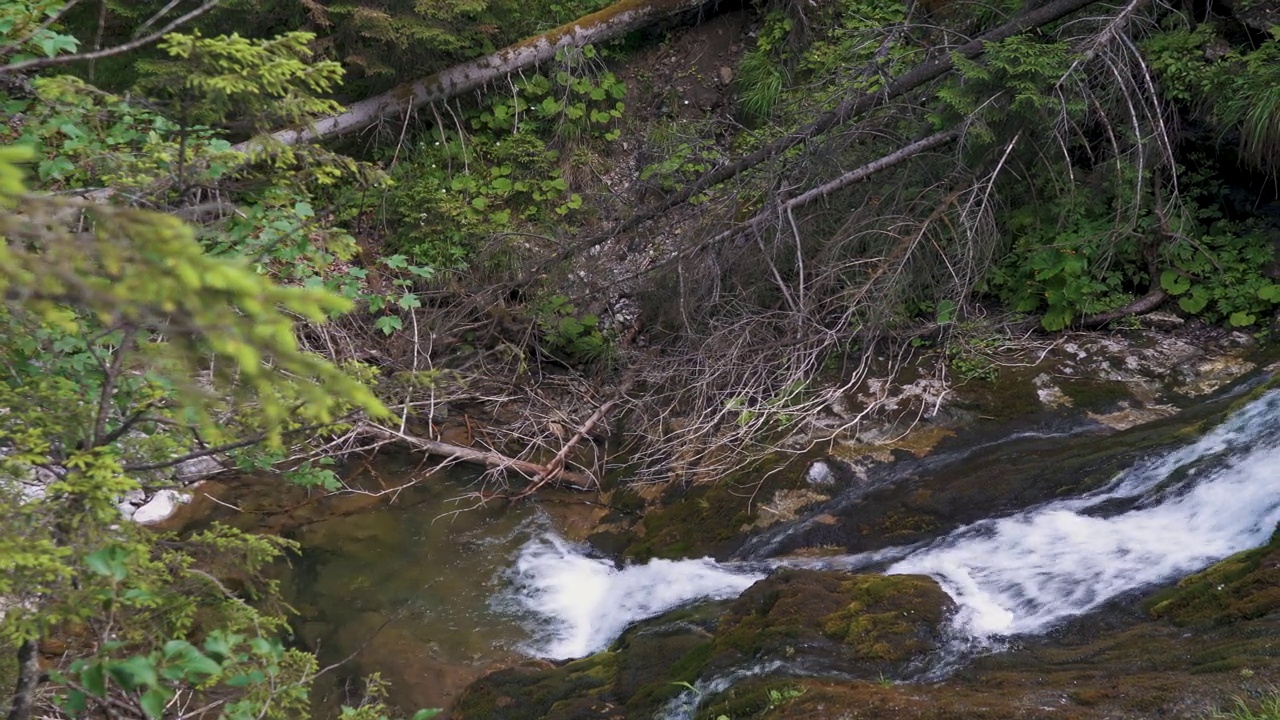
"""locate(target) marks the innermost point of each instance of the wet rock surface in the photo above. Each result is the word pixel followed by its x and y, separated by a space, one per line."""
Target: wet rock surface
pixel 839 623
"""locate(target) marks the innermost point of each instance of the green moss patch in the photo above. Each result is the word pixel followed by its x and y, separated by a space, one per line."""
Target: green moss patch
pixel 1244 586
pixel 709 519
pixel 865 624
pixel 576 690
pixel 892 618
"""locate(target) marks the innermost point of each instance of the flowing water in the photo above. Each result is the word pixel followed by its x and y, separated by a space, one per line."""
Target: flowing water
pixel 432 597
pixel 1021 574
pixel 398 583
pixel 579 604
pixel 1156 521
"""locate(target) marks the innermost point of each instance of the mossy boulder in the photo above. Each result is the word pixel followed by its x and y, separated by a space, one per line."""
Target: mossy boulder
pixel 533 691
pixel 889 618
pixel 868 625
pixel 1242 587
pixel 639 674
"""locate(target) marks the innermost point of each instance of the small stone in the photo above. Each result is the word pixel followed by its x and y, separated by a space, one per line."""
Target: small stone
pixel 1049 394
pixel 820 474
pixel 726 75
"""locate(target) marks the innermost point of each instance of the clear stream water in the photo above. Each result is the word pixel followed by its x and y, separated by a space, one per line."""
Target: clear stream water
pixel 1021 574
pixel 432 597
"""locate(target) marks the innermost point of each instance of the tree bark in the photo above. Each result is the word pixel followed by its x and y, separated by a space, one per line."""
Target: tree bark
pixel 24 693
pixel 617 19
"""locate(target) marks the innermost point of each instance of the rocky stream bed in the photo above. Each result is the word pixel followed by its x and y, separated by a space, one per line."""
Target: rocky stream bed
pixel 841 571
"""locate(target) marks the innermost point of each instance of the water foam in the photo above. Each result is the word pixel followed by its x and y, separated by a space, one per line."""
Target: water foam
pixel 1021 574
pixel 581 604
pixel 1028 572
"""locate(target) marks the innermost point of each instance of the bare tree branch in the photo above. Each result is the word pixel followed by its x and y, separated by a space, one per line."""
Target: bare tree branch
pixel 40 63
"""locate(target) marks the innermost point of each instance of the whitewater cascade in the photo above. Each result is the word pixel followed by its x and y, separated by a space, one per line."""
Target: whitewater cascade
pixel 1029 571
pixel 1023 573
pixel 581 604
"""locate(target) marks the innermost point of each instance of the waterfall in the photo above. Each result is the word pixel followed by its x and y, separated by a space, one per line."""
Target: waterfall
pixel 580 604
pixel 1024 573
pixel 1029 571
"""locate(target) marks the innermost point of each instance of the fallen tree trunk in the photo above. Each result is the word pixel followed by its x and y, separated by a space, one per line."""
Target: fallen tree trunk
pixel 851 109
pixel 853 176
pixel 1143 305
pixel 616 20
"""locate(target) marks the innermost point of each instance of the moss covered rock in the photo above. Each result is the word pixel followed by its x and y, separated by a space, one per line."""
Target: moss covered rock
pixel 890 618
pixel 1244 586
pixel 859 624
pixel 579 689
pixel 864 625
pixel 713 519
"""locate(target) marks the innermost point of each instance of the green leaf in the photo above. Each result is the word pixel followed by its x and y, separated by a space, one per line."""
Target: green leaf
pixel 1195 302
pixel 243 679
pixel 549 106
pixel 109 562
pixel 479 203
pixel 946 312
pixel 217 646
pixel 570 326
pixel 154 700
pixel 1241 319
pixel 409 301
pixel 426 713
pixel 135 672
pixel 75 703
pixel 396 262
pixel 388 324
pixel 1055 319
pixel 139 596
pixel 1174 282
pixel 55 168
pixel 94 679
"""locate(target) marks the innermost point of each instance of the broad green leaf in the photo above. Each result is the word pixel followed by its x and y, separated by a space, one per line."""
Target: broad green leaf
pixel 135 672
pixel 1174 282
pixel 109 562
pixel 1241 319
pixel 94 679
pixel 75 703
pixel 154 700
pixel 388 324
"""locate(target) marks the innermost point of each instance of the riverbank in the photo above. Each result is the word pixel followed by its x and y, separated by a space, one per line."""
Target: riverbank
pixel 978 455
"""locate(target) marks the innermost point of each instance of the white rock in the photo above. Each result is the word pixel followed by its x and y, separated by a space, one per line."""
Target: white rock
pixel 820 474
pixel 160 507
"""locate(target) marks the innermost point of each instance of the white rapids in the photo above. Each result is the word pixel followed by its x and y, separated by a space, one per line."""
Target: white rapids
pixel 1027 572
pixel 581 604
pixel 1020 574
